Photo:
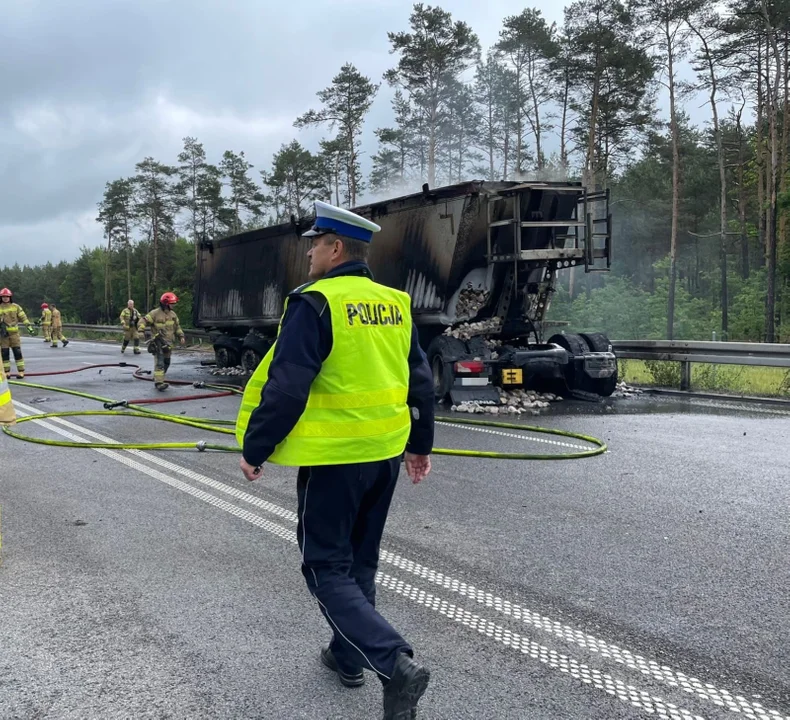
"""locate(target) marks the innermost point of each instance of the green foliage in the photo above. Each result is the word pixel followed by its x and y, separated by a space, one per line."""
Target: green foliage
pixel 432 57
pixel 663 374
pixel 296 180
pixel 346 102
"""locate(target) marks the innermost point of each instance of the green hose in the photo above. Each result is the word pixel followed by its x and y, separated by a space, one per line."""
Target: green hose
pixel 216 427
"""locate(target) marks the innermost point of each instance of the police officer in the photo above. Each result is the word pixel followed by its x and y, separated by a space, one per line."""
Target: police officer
pixel 165 321
pixel 11 315
pixel 46 322
pixel 129 319
pixel 343 392
pixel 57 328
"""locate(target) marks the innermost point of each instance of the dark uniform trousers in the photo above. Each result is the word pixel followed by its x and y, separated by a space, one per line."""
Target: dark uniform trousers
pixel 342 513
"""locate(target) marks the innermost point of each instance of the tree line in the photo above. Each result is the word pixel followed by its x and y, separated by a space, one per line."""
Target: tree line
pixel 701 232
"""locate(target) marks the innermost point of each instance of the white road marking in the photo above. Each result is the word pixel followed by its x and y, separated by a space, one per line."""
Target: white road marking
pixel 579 671
pixel 516 436
pixel 743 408
pixel 661 673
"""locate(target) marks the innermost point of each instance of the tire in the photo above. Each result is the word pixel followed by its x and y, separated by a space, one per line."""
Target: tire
pixel 441 353
pixel 575 345
pixel 598 342
pixel 250 359
pixel 225 356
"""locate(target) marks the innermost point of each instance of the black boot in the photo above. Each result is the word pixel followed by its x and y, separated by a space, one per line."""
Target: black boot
pixel 352 679
pixel 405 688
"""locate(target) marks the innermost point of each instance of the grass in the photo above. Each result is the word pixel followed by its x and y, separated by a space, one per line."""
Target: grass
pixel 736 379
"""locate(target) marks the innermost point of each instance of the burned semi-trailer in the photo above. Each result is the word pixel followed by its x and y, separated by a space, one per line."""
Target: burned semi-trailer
pixel 480 261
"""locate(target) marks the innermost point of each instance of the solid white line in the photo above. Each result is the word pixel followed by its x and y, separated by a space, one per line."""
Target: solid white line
pixel 662 673
pixel 580 671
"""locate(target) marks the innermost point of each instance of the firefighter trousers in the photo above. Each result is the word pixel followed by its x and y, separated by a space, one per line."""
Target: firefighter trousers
pixel 8 344
pixel 57 334
pixel 47 330
pixel 161 363
pixel 131 333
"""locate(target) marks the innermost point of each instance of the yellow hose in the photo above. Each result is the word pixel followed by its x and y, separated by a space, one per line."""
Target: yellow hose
pixel 212 426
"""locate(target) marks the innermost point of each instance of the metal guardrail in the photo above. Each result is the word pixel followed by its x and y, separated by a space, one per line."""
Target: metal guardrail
pixel 118 330
pixel 683 351
pixel 690 351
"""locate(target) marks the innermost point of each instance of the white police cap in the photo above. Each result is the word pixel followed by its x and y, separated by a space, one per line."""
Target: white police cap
pixel 329 218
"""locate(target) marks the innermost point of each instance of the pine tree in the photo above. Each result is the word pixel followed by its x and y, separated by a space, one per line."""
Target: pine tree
pixel 243 193
pixel 529 44
pixel 611 74
pixel 201 189
pixel 459 134
pixel 156 205
pixel 664 22
pixel 488 92
pixel 295 181
pixel 400 151
pixel 433 56
pixel 117 215
pixel 705 25
pixel 346 103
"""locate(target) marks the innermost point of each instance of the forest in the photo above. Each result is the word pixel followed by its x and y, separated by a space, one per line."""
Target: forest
pixel 701 212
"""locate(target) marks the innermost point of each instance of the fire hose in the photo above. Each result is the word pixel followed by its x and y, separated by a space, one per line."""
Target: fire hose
pixel 135 408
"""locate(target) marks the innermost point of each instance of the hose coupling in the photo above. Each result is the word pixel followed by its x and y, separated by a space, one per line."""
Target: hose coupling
pixel 201 445
pixel 113 405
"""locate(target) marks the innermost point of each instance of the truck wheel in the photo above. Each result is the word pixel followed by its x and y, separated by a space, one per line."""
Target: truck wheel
pixel 575 346
pixel 225 357
pixel 250 359
pixel 439 353
pixel 598 342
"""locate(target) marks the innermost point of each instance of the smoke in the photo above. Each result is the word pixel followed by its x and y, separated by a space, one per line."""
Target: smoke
pixel 549 173
pixel 393 190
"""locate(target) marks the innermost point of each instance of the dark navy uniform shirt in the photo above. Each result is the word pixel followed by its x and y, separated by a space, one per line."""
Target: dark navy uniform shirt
pixel 304 342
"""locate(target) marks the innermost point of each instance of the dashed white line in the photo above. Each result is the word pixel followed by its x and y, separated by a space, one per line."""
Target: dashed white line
pixel 662 673
pixel 558 661
pixel 515 435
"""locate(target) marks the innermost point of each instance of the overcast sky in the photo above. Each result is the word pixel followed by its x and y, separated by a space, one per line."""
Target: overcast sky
pixel 90 87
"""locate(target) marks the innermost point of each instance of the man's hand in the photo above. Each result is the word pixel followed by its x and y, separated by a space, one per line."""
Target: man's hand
pixel 417 466
pixel 183 340
pixel 249 470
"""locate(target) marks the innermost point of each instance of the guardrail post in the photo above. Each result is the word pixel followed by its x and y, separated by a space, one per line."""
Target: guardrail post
pixel 685 375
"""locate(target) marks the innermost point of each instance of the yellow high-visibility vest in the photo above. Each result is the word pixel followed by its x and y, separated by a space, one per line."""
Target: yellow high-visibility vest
pixel 356 411
pixel 7 413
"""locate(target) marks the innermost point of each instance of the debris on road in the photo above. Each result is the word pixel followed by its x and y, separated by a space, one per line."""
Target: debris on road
pixel 512 402
pixel 624 391
pixel 238 370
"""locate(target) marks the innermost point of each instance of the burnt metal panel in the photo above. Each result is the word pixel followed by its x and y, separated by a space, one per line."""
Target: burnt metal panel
pixel 428 243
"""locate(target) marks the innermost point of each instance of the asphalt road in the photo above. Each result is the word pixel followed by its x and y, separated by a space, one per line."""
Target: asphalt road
pixel 647 582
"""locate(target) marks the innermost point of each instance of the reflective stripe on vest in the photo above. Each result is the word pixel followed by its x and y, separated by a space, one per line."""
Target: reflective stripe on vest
pixel 7 414
pixel 356 411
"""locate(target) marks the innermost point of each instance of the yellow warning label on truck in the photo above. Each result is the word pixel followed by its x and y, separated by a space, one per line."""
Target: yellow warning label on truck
pixel 512 376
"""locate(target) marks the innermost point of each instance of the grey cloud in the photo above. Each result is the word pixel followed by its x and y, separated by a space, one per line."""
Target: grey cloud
pixel 90 87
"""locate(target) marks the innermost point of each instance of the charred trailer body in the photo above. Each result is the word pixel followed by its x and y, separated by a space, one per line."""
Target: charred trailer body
pixel 480 261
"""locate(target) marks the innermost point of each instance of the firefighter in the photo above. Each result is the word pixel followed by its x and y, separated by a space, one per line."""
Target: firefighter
pixel 343 392
pixel 10 317
pixel 46 322
pixel 164 322
pixel 130 319
pixel 57 328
